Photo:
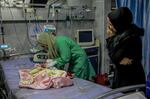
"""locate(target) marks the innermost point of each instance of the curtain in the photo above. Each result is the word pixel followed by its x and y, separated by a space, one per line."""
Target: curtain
pixel 141 12
pixel 146 38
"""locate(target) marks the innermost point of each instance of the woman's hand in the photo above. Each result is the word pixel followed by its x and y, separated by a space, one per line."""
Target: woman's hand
pixel 126 61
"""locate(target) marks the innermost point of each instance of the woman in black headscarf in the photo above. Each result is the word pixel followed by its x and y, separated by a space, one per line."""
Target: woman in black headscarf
pixel 125 48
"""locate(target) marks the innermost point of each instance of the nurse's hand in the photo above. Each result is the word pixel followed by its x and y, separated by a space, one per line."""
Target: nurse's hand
pixel 39 65
pixel 126 61
pixel 50 62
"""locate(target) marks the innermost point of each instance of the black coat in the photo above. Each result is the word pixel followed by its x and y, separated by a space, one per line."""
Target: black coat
pixel 128 44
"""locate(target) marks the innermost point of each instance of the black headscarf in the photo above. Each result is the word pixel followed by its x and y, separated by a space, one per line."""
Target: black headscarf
pixel 121 19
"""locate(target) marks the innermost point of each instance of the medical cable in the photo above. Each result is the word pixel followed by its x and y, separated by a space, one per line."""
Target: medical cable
pixel 14 25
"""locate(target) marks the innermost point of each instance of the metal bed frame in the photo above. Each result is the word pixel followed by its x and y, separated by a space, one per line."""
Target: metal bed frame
pixel 122 89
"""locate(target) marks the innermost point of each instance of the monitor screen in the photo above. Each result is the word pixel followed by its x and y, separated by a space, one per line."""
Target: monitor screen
pixel 85 37
pixel 4 46
pixel 38 2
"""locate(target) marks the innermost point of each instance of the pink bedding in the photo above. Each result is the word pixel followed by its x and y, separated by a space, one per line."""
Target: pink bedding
pixel 44 79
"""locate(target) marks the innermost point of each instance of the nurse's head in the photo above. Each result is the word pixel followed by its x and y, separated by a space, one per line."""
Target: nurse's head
pixel 42 40
pixel 47 40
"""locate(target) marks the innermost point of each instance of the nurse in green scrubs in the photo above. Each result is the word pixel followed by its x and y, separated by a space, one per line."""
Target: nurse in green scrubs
pixel 63 50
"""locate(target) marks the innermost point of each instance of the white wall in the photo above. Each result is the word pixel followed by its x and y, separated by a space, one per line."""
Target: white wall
pixel 79 2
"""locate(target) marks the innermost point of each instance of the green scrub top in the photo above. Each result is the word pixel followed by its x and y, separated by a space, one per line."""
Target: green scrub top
pixel 70 52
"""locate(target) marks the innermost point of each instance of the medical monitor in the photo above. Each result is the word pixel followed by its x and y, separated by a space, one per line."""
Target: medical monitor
pixel 85 37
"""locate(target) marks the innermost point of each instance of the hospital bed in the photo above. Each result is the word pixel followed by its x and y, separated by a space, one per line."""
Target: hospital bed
pixel 81 89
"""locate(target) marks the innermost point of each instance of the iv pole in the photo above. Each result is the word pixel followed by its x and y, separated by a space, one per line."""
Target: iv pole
pixel 2 28
pixel 2 33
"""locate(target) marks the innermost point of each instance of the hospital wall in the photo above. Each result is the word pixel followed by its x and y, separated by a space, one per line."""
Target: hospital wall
pixel 17 22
